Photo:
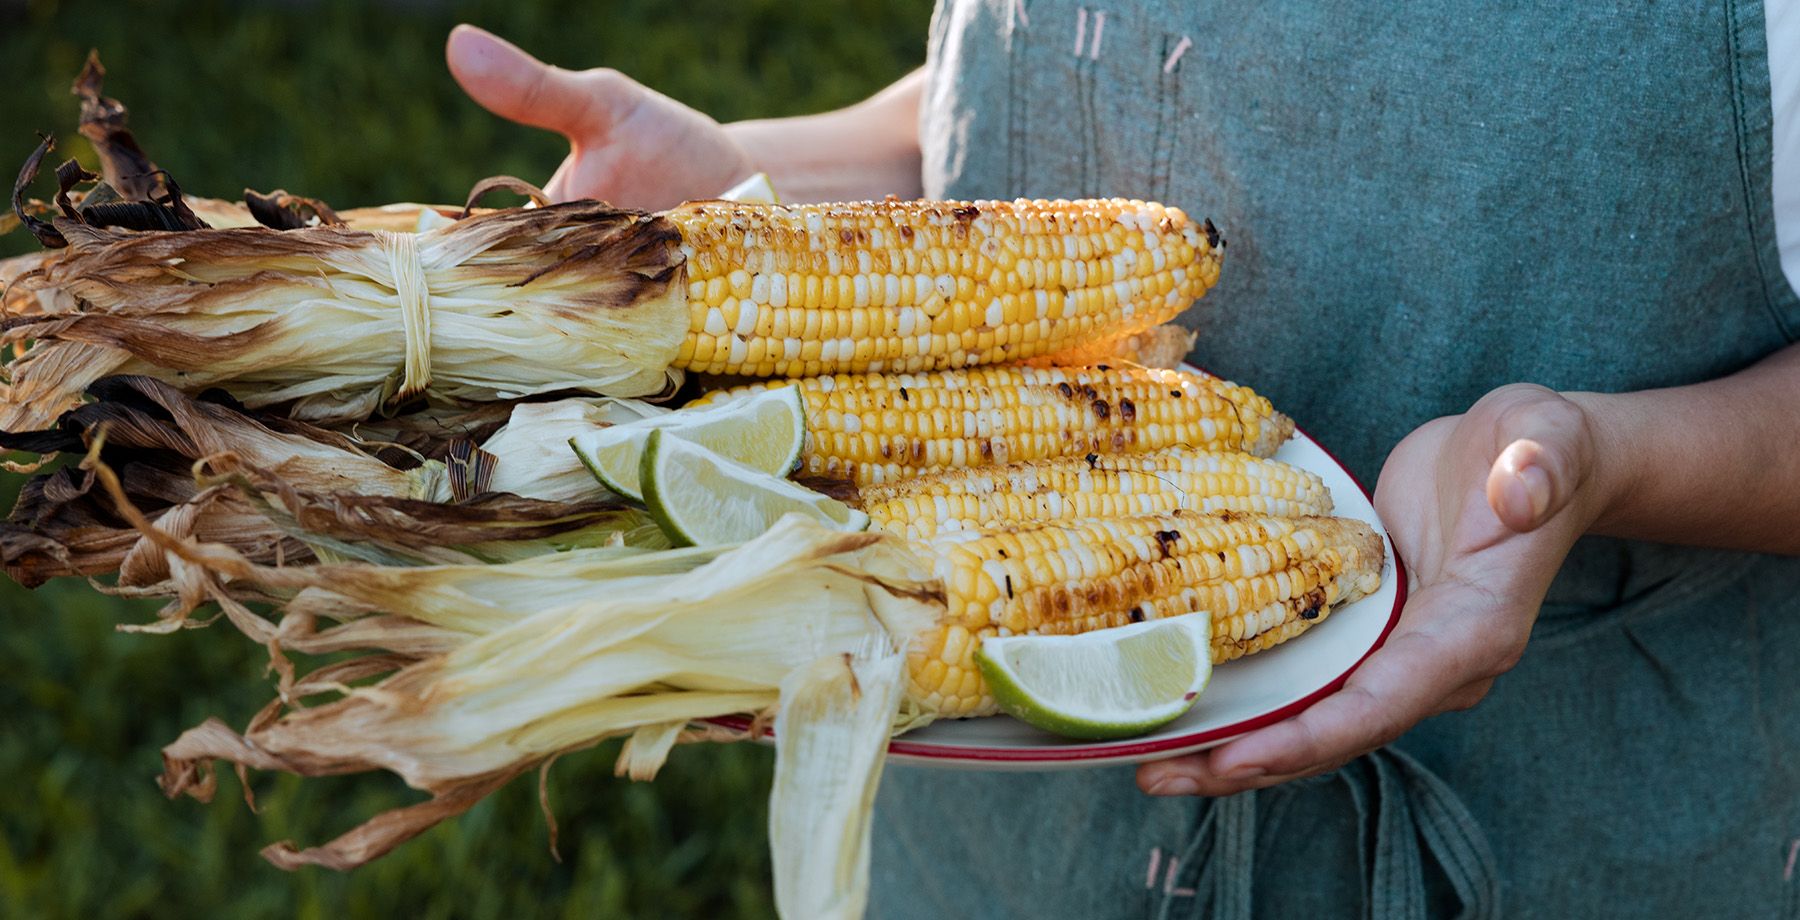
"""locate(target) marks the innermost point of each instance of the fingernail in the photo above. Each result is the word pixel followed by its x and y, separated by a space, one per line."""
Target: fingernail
pixel 1247 771
pixel 1176 785
pixel 1537 489
pixel 477 51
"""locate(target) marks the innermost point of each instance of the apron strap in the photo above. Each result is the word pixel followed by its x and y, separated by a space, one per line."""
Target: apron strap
pixel 1222 856
pixel 1406 813
pixel 1410 805
pixel 1453 837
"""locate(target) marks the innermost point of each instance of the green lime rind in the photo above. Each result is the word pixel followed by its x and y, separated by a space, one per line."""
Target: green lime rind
pixel 608 474
pixel 700 498
pixel 593 468
pixel 766 431
pixel 1072 719
pixel 654 495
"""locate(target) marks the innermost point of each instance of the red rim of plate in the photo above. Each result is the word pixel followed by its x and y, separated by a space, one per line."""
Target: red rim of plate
pixel 1113 751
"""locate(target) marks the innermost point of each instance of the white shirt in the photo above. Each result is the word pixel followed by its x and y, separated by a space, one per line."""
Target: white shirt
pixel 1783 26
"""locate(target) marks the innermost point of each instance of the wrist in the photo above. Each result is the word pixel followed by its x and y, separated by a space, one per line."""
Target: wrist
pixel 1615 467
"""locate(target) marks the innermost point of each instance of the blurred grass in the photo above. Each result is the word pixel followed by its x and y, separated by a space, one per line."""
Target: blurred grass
pixel 351 103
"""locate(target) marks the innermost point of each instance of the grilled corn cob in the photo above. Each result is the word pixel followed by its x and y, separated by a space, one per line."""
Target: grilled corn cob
pixel 1115 486
pixel 336 322
pixel 1264 580
pixel 917 285
pixel 872 428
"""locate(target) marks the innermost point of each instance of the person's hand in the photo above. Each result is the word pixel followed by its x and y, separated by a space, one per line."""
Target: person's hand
pixel 1483 507
pixel 628 144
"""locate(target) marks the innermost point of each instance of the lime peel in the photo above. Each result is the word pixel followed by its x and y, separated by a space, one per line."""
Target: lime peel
pixel 765 431
pixel 1104 684
pixel 701 498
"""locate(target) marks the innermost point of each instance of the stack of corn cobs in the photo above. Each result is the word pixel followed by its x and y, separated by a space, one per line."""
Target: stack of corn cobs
pixel 352 437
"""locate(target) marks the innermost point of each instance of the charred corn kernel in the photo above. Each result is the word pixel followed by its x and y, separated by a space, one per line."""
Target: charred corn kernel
pixel 995 415
pixel 942 284
pixel 1069 488
pixel 1263 579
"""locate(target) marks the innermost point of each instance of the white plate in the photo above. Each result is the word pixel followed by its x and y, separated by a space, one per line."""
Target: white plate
pixel 1245 694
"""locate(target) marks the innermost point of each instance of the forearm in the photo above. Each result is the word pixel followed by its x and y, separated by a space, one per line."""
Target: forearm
pixel 869 150
pixel 1713 464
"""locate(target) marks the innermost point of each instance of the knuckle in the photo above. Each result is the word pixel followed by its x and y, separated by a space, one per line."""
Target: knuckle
pixel 604 80
pixel 1507 657
pixel 1512 396
pixel 535 93
pixel 1469 696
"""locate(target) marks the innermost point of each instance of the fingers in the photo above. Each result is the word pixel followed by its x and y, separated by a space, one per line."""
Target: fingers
pixel 1545 458
pixel 1404 682
pixel 1193 775
pixel 1519 487
pixel 512 84
pixel 1419 673
pixel 1320 751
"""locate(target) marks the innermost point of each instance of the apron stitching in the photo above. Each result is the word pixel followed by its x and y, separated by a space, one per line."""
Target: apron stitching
pixel 1169 886
pixel 1734 50
pixel 1174 81
pixel 1157 154
pixel 1194 854
pixel 1090 135
pixel 1359 800
pixel 1753 630
pixel 1174 57
pixel 1233 895
pixel 1168 100
pixel 1015 16
pixel 1459 848
pixel 1787 879
pixel 1396 870
pixel 1090 117
pixel 1084 126
pixel 1015 106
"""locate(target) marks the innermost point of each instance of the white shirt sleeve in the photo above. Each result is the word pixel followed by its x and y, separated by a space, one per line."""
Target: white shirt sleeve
pixel 1783 27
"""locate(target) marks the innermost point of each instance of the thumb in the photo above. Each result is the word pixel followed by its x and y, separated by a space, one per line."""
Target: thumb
pixel 512 84
pixel 1546 457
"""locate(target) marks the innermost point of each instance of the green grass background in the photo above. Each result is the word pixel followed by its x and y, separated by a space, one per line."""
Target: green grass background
pixel 351 103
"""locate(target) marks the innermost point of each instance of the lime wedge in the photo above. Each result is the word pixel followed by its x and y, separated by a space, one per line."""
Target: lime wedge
pixel 1109 683
pixel 755 190
pixel 701 498
pixel 764 431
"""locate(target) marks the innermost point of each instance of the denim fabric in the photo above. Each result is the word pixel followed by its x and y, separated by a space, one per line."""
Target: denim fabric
pixel 1423 200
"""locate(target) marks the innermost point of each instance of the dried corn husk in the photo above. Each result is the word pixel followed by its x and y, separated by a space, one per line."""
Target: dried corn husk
pixel 341 322
pixel 831 734
pixel 532 451
pixel 281 491
pixel 18 300
pixel 556 653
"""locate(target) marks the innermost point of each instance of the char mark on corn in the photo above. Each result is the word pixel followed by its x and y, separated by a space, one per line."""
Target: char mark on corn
pixel 1264 580
pixel 1069 488
pixel 874 428
pixel 792 291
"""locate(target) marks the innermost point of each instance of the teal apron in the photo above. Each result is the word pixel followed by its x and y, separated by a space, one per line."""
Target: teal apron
pixel 1422 201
